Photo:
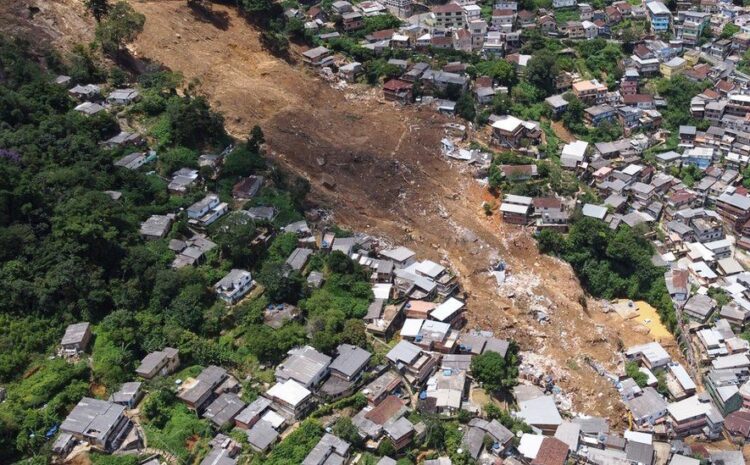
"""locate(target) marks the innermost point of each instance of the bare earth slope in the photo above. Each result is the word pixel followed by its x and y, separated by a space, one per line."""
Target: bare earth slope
pixel 60 22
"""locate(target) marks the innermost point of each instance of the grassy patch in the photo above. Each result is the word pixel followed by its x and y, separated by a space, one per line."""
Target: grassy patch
pixel 180 434
pixel 563 16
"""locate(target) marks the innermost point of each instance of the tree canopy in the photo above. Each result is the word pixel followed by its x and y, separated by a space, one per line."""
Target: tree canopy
pixel 495 372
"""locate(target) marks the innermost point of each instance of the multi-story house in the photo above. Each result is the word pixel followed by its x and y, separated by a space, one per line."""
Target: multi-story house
pixel 737 105
pixel 447 16
pixel 591 91
pixel 564 3
pixel 690 25
pixel 734 209
pixel 472 13
pixel 478 29
pixel 659 15
pixel 629 82
pixel 400 8
pixel 575 30
pixel 503 20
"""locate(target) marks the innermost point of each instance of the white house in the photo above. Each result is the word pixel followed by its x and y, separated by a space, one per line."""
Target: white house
pixel 564 3
pixel 232 287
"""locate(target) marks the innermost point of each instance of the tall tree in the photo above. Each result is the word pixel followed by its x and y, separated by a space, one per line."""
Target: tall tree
pixel 494 371
pixel 122 25
pixel 542 70
pixel 98 8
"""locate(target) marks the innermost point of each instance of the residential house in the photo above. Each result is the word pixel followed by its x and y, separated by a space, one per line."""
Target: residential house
pixel 449 15
pixel 350 71
pixel 540 412
pixel 85 92
pixel 182 180
pixel 128 395
pixel 647 408
pixel 629 82
pixel 651 354
pixel 329 450
pixel 478 429
pixel 253 413
pixel 304 365
pixel 234 286
pixel 223 451
pixel 677 284
pixel 640 101
pixel 590 30
pixel 590 91
pixel 400 8
pixel 673 67
pixel 397 90
pixel 416 365
pixel 76 338
pixel 558 105
pixel 552 451
pixel 156 227
pixel 159 363
pixel 574 154
pixel 198 392
pixel 247 188
pixel 352 21
pixel 574 29
pixel 290 398
pixel 101 423
pixel 696 414
pixel 689 26
pixel 89 108
pixel 734 209
pixel 223 410
pixel 205 212
pixel 318 57
pixel 598 114
pixel 503 20
pixel 123 97
pixel 382 387
pixel 659 16
pixel 123 138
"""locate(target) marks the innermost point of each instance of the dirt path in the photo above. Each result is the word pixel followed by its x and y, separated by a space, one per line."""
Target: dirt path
pixel 392 182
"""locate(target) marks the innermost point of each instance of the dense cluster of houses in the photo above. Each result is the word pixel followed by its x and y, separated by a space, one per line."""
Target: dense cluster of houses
pixel 461 26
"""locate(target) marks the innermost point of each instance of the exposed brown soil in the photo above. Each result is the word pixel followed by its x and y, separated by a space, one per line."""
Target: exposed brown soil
pixel 98 390
pixel 562 132
pixel 62 23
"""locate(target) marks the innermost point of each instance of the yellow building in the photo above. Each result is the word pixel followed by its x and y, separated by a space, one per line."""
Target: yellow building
pixel 672 67
pixel 691 57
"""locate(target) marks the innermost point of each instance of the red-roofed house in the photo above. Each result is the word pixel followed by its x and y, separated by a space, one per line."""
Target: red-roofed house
pixel 448 15
pixel 737 424
pixel 441 42
pixel 642 101
pixel 552 452
pixel 503 20
pixel 397 90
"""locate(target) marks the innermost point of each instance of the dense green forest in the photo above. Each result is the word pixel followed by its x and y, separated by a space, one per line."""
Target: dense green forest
pixel 71 253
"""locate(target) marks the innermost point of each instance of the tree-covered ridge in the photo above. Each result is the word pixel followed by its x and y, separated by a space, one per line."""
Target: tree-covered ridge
pixel 74 253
